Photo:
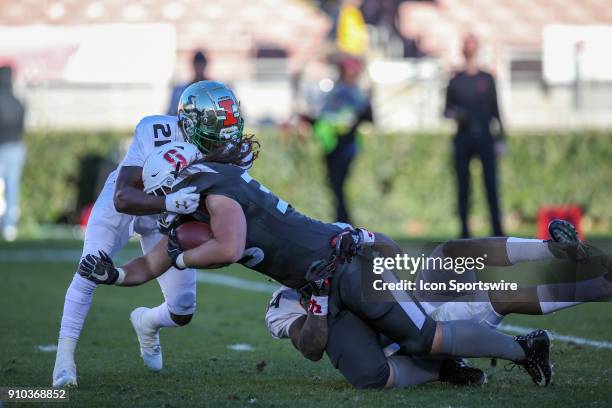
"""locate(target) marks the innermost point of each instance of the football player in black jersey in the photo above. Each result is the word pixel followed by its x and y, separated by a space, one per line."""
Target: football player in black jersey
pixel 253 226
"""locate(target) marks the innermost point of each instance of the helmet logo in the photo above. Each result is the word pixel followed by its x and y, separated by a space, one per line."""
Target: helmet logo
pixel 187 124
pixel 172 156
pixel 228 107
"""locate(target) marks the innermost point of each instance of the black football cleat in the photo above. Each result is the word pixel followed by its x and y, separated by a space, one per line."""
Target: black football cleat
pixel 563 232
pixel 536 346
pixel 458 372
pixel 565 243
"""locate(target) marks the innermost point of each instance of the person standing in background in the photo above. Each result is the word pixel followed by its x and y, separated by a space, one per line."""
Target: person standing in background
pixel 199 74
pixel 345 108
pixel 471 101
pixel 12 151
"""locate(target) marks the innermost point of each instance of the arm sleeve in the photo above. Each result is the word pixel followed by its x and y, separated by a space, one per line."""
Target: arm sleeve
pixel 283 310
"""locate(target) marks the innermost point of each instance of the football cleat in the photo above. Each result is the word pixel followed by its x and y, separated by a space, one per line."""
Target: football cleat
pixel 458 372
pixel 536 346
pixel 64 375
pixel 563 232
pixel 565 243
pixel 150 349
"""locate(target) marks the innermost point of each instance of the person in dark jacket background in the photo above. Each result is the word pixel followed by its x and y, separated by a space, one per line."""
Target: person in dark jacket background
pixel 12 152
pixel 471 100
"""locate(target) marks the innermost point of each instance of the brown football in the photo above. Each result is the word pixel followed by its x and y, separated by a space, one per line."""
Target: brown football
pixel 193 234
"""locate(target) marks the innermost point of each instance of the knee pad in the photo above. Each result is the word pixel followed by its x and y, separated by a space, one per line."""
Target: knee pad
pixel 183 303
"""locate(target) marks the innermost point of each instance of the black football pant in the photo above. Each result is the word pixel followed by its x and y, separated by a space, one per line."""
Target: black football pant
pixel 465 148
pixel 356 323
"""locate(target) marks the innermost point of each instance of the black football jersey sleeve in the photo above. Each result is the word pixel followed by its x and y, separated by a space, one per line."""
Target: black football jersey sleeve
pixel 281 242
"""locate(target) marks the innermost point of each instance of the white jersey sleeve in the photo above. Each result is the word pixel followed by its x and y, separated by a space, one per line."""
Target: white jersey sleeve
pixel 151 132
pixel 284 309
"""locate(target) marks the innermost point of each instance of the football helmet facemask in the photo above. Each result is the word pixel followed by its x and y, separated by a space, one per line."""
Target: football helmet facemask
pixel 209 115
pixel 164 164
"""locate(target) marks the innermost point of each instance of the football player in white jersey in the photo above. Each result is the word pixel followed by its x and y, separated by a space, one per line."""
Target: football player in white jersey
pixel 123 208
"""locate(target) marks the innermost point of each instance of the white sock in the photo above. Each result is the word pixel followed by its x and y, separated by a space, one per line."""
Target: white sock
pixel 76 306
pixel 64 359
pixel 527 250
pixel 158 317
pixel 559 296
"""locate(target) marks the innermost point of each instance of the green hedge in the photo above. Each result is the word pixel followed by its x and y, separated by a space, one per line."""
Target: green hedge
pixel 401 183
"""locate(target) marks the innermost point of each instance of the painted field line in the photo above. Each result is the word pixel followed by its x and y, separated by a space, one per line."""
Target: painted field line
pixel 49 255
pixel 599 344
pixel 263 287
pixel 236 283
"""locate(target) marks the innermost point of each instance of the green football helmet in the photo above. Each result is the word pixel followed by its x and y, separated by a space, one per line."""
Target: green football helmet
pixel 209 115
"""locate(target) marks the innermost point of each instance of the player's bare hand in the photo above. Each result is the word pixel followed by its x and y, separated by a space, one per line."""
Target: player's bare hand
pixel 98 269
pixel 183 201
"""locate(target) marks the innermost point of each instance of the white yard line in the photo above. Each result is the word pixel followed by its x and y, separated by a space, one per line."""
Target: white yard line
pixel 510 328
pixel 64 255
pixel 236 283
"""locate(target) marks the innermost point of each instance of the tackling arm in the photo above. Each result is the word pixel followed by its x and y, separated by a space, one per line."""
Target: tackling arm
pixel 129 197
pixel 309 335
pixel 101 270
pixel 147 267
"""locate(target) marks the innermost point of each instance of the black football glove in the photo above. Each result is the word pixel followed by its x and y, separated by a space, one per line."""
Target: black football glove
pixel 98 269
pixel 349 242
pixel 319 275
pixel 174 249
pixel 165 222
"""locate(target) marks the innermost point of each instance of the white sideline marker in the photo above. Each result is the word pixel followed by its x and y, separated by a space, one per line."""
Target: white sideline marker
pixel 241 347
pixel 47 348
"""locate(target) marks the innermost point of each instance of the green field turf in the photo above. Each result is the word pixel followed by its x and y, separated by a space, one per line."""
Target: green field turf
pixel 201 371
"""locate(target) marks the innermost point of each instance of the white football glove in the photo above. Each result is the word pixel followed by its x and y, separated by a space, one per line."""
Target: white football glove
pixel 184 201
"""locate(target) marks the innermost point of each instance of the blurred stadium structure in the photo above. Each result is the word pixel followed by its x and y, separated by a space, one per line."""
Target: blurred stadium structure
pixel 105 64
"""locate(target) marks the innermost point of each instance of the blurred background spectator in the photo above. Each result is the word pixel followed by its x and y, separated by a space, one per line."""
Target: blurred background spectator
pixel 199 64
pixel 471 100
pixel 89 70
pixel 345 107
pixel 12 152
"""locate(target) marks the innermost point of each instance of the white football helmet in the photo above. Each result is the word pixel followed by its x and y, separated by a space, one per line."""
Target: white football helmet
pixel 164 164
